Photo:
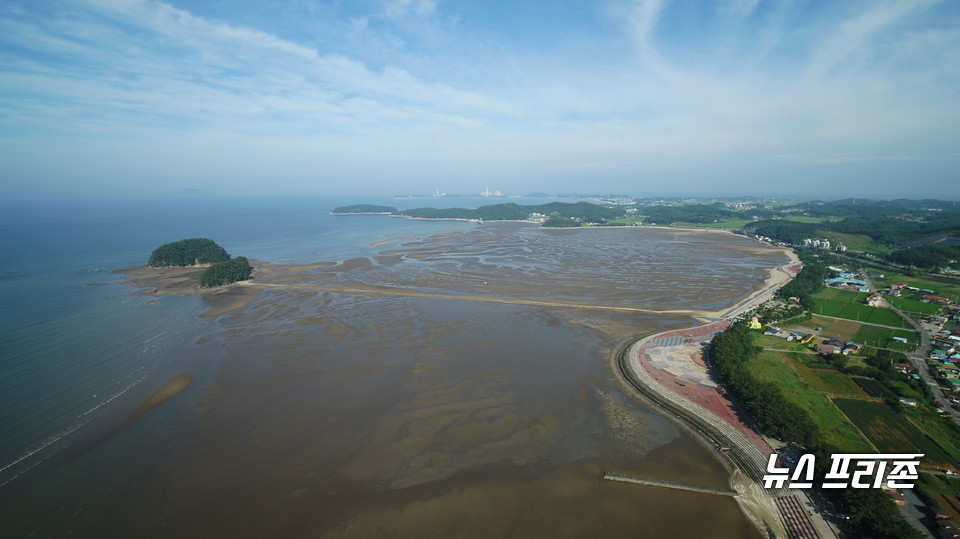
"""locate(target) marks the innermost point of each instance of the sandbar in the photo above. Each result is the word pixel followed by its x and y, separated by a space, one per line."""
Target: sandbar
pixel 169 390
pixel 384 242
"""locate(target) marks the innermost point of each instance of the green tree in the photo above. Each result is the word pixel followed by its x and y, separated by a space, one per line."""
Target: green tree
pixel 188 252
pixel 230 271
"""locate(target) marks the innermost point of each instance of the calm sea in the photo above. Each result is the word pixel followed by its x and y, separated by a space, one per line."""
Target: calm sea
pixel 76 349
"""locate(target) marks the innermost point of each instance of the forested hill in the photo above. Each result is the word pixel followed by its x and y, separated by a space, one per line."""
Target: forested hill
pixel 188 252
pixel 931 242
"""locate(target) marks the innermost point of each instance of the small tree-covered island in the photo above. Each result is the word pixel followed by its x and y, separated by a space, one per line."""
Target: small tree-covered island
pixel 222 268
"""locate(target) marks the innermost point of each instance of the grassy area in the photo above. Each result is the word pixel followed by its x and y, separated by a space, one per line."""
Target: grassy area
pixel 769 341
pixel 891 433
pixel 838 383
pixel 809 360
pixel 880 337
pixel 938 484
pixel 807 219
pixel 860 243
pixel 914 306
pixel 629 221
pixel 729 224
pixel 859 313
pixel 771 366
pixel 810 377
pixel 904 390
pixel 875 388
pixel 901 347
pixel 840 295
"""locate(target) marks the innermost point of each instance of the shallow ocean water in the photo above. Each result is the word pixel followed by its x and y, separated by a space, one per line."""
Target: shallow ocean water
pixel 316 412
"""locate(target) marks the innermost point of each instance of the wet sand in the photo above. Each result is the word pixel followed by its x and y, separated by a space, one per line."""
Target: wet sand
pixel 162 281
pixel 457 386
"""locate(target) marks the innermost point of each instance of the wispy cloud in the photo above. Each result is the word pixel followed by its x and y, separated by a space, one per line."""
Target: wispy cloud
pixel 853 41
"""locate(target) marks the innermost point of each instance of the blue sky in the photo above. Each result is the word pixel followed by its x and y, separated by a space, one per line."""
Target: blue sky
pixel 807 98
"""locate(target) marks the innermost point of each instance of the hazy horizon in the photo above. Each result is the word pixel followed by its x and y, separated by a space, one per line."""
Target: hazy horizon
pixel 817 100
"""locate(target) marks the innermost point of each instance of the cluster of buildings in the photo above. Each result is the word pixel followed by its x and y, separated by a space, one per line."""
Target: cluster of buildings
pixel 825 245
pixel 945 350
pixel 837 345
pixel 848 280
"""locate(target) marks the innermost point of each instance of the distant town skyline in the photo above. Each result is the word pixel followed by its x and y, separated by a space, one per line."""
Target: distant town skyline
pixel 820 100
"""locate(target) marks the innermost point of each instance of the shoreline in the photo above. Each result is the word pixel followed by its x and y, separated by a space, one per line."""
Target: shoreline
pixel 631 360
pixel 527 221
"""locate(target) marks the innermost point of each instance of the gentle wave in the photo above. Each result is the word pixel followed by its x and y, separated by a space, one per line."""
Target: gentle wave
pixel 81 421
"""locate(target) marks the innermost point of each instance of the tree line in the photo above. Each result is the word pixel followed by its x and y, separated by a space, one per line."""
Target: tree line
pixel 808 282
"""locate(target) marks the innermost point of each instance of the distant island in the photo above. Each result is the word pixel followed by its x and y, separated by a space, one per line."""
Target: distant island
pixel 554 214
pixel 361 209
pixel 222 268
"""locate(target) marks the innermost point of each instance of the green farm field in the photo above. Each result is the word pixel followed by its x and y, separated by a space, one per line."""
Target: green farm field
pixel 772 366
pixel 840 295
pixel 891 433
pixel 839 383
pixel 875 388
pixel 943 431
pixel 859 313
pixel 880 336
pixel 914 306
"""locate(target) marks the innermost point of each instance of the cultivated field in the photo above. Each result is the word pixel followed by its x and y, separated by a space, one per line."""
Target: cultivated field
pixel 891 433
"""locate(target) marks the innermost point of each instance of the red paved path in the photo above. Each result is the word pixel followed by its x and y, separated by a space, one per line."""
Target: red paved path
pixel 712 399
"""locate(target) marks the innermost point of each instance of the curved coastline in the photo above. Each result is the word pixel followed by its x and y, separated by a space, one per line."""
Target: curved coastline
pixel 634 372
pixel 743 451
